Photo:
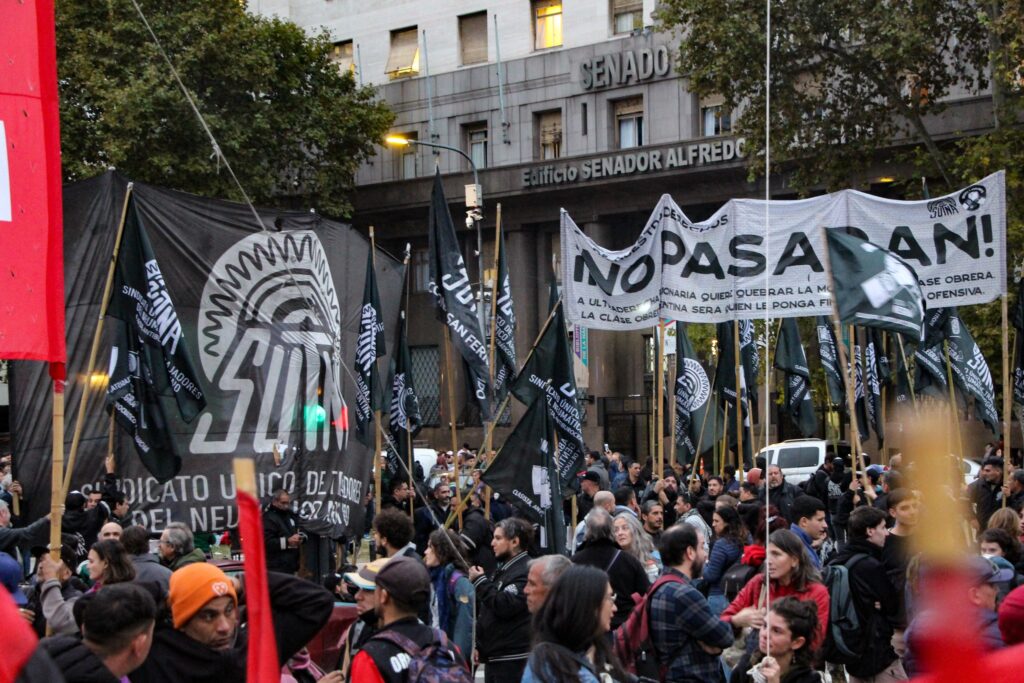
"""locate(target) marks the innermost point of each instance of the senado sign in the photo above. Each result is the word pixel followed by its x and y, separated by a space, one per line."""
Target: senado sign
pixel 625 68
pixel 635 162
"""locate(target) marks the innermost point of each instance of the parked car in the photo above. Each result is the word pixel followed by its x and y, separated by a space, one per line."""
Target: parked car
pixel 800 458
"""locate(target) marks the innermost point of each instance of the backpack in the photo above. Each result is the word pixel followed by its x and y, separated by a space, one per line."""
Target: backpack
pixel 632 639
pixel 433 663
pixel 845 636
pixel 736 577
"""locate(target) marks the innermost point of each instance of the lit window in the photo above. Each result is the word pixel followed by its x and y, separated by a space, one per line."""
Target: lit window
pixel 404 59
pixel 629 122
pixel 547 24
pixel 549 133
pixel 342 55
pixel 627 16
pixel 473 37
pixel 715 119
pixel 407 158
pixel 476 141
pixel 420 270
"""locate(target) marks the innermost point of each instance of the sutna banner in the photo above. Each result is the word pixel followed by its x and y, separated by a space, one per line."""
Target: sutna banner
pixel 727 267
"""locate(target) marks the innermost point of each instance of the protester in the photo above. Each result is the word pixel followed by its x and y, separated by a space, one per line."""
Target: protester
pixel 807 515
pixel 570 631
pixel 111 531
pixel 634 539
pixel 71 588
pixel 117 634
pixel 590 486
pixel 108 564
pixel 503 618
pixel 1011 617
pixel 147 567
pixel 730 538
pixel 686 635
pixel 10 538
pixel 403 589
pixel 790 571
pixel 281 534
pixel 781 493
pixel 177 547
pixel 84 515
pixel 1014 491
pixel 477 533
pixel 1009 520
pixel 363 585
pixel 602 499
pixel 399 496
pixel 206 644
pixel 874 597
pixel 544 572
pixel 451 593
pixel 664 491
pixel 986 493
pixel 625 572
pixel 595 464
pixel 686 513
pixel 904 508
pixel 785 653
pixel 653 516
pixel 433 514
pixel 393 534
pixel 626 501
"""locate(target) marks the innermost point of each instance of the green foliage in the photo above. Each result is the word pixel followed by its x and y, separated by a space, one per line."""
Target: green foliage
pixel 847 78
pixel 292 126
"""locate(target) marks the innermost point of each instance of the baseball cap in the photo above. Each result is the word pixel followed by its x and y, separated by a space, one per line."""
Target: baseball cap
pixel 592 476
pixel 365 579
pixel 406 580
pixel 982 570
pixel 10 577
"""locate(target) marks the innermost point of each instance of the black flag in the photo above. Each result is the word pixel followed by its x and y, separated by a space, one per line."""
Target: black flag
pixel 902 386
pixel 829 355
pixel 725 384
pixel 873 381
pixel 149 358
pixel 750 360
pixel 524 472
pixel 549 371
pixel 873 287
pixel 791 359
pixel 504 328
pixel 859 390
pixel 930 357
pixel 970 371
pixel 405 406
pixel 1017 320
pixel 369 347
pixel 454 298
pixel 693 402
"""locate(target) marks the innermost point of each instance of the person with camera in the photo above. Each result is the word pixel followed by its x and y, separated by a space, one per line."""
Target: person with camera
pixel 281 534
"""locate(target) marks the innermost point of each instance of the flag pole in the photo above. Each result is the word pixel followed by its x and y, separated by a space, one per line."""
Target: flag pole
pixel 906 369
pixel 1007 393
pixel 953 406
pixel 96 338
pixel 57 490
pixel 736 354
pixel 660 392
pixel 408 425
pixel 674 364
pixel 489 436
pixel 377 467
pixel 450 388
pixel 501 408
pixel 703 423
pixel 723 453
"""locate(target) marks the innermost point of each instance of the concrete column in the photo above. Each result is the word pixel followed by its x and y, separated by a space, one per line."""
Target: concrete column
pixel 604 364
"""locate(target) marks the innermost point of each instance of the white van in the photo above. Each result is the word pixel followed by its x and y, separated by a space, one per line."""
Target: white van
pixel 426 457
pixel 801 458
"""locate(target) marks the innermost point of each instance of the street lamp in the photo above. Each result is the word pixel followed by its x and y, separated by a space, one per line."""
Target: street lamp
pixel 474 204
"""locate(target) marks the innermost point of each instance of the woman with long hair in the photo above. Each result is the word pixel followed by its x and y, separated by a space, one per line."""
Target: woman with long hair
pixel 570 630
pixel 632 538
pixel 1010 521
pixel 785 652
pixel 109 563
pixel 789 572
pixel 451 592
pixel 730 538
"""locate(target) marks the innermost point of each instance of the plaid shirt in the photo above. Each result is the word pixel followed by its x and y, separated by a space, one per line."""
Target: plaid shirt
pixel 680 617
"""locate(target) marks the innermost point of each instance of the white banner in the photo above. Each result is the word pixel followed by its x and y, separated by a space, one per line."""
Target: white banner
pixel 724 268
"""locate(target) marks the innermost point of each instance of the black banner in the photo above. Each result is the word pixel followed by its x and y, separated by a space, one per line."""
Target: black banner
pixel 930 356
pixel 369 347
pixel 149 357
pixel 829 355
pixel 272 317
pixel 725 384
pixel 454 297
pixel 873 383
pixel 695 429
pixel 504 328
pixel 970 371
pixel 405 405
pixel 791 359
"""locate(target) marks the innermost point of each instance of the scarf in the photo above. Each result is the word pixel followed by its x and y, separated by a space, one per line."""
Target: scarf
pixel 439 577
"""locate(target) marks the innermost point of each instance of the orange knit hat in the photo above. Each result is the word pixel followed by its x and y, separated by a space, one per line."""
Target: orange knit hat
pixel 193 586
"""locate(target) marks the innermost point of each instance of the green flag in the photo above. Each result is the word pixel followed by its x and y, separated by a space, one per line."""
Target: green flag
pixel 725 384
pixel 873 287
pixel 524 473
pixel 930 357
pixel 791 359
pixel 693 402
pixel 970 371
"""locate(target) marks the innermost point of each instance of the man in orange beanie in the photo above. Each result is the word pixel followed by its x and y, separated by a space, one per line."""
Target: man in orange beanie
pixel 206 644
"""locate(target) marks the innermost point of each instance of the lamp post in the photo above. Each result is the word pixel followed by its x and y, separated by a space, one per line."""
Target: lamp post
pixel 474 204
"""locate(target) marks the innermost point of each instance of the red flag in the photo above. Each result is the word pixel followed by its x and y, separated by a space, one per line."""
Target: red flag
pixel 19 638
pixel 31 228
pixel 262 666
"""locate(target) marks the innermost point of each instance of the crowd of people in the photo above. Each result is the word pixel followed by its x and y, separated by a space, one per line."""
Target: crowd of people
pixel 677 576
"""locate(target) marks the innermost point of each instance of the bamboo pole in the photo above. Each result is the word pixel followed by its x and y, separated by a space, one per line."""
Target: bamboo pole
pixel 57 490
pixel 1007 393
pixel 489 433
pixel 955 411
pixel 377 465
pixel 674 364
pixel 724 452
pixel 408 426
pixel 96 338
pixel 659 394
pixel 450 388
pixel 739 393
pixel 906 369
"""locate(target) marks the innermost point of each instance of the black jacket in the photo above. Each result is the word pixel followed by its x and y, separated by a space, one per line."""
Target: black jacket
pixel 278 526
pixel 782 497
pixel 625 574
pixel 876 602
pixel 477 534
pixel 986 498
pixel 76 661
pixel 503 620
pixel 424 523
pixel 300 609
pixel 86 523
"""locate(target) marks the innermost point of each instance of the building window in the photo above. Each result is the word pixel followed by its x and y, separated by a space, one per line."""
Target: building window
pixel 473 37
pixel 343 55
pixel 583 118
pixel 549 134
pixel 407 159
pixel 476 142
pixel 627 16
pixel 715 119
pixel 404 60
pixel 420 261
pixel 629 122
pixel 547 24
pixel 426 377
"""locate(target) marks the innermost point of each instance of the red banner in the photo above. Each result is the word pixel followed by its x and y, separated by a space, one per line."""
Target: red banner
pixel 262 665
pixel 31 234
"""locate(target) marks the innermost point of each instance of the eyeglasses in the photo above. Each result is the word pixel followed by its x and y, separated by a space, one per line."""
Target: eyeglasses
pixel 611 597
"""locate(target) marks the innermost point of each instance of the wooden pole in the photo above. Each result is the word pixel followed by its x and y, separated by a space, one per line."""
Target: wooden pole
pixel 674 365
pixel 1007 394
pixel 659 402
pixel 724 452
pixel 94 349
pixel 906 369
pixel 57 490
pixel 408 427
pixel 954 410
pixel 489 433
pixel 450 387
pixel 739 394
pixel 377 465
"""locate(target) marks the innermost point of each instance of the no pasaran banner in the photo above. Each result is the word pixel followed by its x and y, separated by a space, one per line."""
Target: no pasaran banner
pixel 729 267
